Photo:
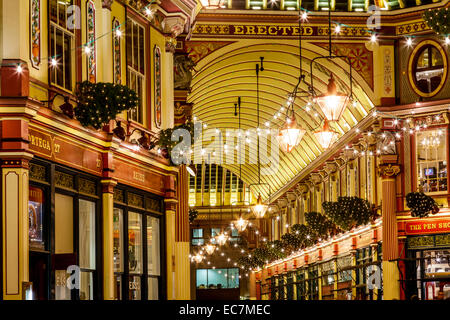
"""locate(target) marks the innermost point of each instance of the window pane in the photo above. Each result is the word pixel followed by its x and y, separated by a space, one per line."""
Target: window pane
pixel 63 224
pixel 67 62
pixel 153 246
pixel 118 239
pixel 129 41
pixel 59 53
pixel 152 288
pixel 197 233
pixel 53 11
pixel 233 278
pixel 87 234
pixel 202 278
pixel 141 51
pixel 118 281
pixel 35 212
pixel 134 242
pixel 135 47
pixel 134 288
pixel 217 278
pixel 86 286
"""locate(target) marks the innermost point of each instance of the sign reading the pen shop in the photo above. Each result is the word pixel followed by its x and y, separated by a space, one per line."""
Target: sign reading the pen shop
pixel 64 151
pixel 428 226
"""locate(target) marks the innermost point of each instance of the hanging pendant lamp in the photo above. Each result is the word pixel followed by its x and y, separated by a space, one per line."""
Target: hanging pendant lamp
pixel 332 102
pixel 210 248
pixel 290 134
pixel 221 238
pixel 326 136
pixel 240 224
pixel 259 208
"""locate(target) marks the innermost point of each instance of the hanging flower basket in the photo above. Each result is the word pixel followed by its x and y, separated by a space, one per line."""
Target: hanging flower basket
pixel 421 205
pixel 438 20
pixel 349 212
pixel 98 103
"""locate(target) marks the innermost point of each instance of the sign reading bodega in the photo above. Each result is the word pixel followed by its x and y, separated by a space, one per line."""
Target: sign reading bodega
pixel 430 226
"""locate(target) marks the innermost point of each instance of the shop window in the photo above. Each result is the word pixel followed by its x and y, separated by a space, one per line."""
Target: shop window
pixel 214 232
pixel 86 244
pixel 118 239
pixel 234 238
pixel 327 270
pixel 134 242
pixel 427 68
pixel 217 278
pixel 135 51
pixel 61 43
pixel 431 146
pixel 197 237
pixel 313 283
pixel 35 217
pixel 301 284
pixel 63 224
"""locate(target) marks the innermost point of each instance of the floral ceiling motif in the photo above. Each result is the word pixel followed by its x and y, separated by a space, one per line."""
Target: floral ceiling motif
pixel 360 57
pixel 197 50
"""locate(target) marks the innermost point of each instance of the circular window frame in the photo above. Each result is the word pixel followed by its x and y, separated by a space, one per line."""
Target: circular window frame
pixel 413 58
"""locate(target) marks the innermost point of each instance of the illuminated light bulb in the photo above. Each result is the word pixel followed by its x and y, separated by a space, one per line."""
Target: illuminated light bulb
pixel 409 42
pixel 304 15
pixel 118 33
pixel 274 116
pixel 195 118
pixel 308 108
pixel 378 151
pixel 19 69
pixel 205 125
pixel 259 208
pixel 337 29
pixel 373 38
pixel 395 121
pixel 369 134
pixel 447 40
pixel 278 217
pixel 54 62
pixel 375 113
pixel 217 130
pixel 282 109
pixel 397 135
pixel 256 232
pixel 357 130
pixel 267 124
pixel 87 50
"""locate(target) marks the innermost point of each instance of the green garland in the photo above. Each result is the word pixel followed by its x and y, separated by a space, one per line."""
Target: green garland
pixel 100 102
pixel 421 205
pixel 166 144
pixel 348 212
pixel 438 20
pixel 320 225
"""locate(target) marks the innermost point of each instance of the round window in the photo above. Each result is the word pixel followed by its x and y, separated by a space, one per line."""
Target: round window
pixel 427 68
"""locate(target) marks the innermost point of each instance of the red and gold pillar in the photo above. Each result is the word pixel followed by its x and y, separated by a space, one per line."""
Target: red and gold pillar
pixel 182 245
pixel 391 276
pixel 16 110
pixel 170 203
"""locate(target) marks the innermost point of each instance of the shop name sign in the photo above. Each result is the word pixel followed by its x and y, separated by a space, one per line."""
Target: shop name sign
pixel 433 226
pixel 274 30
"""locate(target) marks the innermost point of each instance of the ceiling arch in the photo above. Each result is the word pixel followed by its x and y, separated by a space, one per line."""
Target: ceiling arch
pixel 229 73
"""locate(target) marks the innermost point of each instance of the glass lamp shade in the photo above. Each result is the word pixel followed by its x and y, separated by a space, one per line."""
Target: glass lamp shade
pixel 241 224
pixel 212 4
pixel 198 258
pixel 259 208
pixel 290 135
pixel 332 103
pixel 210 248
pixel 326 136
pixel 221 238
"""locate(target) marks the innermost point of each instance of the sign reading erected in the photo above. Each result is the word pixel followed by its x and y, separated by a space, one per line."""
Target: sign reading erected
pixel 428 226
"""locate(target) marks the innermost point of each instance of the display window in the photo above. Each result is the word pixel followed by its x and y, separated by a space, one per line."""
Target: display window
pixel 312 283
pixel 328 279
pixel 431 160
pixel 217 278
pixel 300 284
pixel 365 266
pixel 137 245
pixel 64 229
pixel 428 267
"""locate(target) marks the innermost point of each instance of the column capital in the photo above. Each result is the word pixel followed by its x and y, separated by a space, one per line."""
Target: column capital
pixel 388 170
pixel 106 4
pixel 108 185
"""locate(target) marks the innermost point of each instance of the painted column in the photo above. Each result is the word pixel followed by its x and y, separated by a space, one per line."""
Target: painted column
pixel 170 203
pixel 252 287
pixel 105 63
pixel 182 245
pixel 391 285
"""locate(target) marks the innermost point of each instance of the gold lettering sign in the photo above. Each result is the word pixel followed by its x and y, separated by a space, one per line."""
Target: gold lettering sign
pixel 139 176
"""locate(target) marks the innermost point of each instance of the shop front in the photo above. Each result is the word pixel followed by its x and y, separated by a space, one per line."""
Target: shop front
pixel 427 259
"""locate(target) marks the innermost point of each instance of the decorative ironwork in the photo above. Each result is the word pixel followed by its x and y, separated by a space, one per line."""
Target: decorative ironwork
pixel 87 186
pixel 64 180
pixel 38 172
pixel 442 239
pixel 135 200
pixel 118 195
pixel 35 32
pixel 157 94
pixel 91 43
pixel 153 204
pixel 116 52
pixel 424 241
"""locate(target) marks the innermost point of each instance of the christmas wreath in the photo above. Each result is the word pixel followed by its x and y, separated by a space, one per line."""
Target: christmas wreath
pixel 193 213
pixel 100 102
pixel 305 235
pixel 348 212
pixel 438 20
pixel 421 205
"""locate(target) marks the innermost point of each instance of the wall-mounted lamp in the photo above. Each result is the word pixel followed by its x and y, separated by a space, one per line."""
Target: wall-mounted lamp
pixel 66 107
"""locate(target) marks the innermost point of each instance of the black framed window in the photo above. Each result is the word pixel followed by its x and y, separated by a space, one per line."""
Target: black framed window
pixel 428 68
pixel 137 245
pixel 301 284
